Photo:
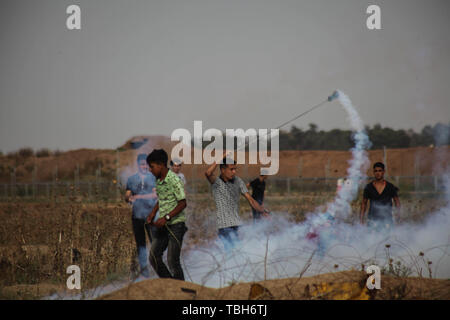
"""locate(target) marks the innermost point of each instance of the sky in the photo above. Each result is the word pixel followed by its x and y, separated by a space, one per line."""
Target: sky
pixel 150 67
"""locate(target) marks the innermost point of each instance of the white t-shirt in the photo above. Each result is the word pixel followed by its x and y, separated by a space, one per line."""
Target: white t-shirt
pixel 181 176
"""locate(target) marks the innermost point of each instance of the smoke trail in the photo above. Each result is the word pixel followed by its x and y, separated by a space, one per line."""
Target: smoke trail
pixel 358 162
pixel 281 248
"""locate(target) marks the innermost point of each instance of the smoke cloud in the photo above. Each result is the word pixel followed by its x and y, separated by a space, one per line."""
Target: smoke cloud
pixel 325 242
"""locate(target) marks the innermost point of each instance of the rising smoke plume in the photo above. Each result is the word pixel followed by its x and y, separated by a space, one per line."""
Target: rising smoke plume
pixel 280 248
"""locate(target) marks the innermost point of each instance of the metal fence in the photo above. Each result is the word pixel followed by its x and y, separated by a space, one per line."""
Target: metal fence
pixel 62 190
pixel 112 191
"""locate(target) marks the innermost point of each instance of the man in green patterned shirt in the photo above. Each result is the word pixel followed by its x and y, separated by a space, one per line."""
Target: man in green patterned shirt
pixel 170 225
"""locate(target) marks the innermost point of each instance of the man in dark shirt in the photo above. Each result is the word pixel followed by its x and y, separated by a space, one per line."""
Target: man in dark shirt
pixel 258 186
pixel 381 194
pixel 142 194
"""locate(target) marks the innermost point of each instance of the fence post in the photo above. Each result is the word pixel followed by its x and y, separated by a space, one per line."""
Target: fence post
pixel 55 182
pixel 77 180
pixel 89 190
pixel 117 175
pixel 416 174
pixel 288 182
pixel 300 167
pixel 97 173
pixel 13 183
pixel 327 171
pixel 34 180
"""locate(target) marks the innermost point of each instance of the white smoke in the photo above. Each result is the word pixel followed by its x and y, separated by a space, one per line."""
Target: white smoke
pixel 357 164
pixel 280 248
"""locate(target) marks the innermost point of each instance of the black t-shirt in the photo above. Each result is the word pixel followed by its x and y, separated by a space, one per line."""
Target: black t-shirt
pixel 258 187
pixel 380 204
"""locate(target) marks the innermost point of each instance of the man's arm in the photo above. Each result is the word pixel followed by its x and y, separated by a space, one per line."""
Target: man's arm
pixel 128 196
pixel 209 173
pixel 128 193
pixel 363 210
pixel 180 206
pixel 398 206
pixel 152 214
pixel 397 202
pixel 254 204
pixel 151 195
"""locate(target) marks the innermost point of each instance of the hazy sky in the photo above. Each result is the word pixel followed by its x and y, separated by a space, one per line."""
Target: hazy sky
pixel 149 67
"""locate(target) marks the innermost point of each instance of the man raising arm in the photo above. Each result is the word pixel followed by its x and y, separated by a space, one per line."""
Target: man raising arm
pixel 226 189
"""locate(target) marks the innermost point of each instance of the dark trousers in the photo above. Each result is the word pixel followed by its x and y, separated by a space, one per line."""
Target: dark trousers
pixel 139 230
pixel 229 237
pixel 257 214
pixel 169 237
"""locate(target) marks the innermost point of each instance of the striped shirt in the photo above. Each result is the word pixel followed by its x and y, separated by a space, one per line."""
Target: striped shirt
pixel 226 195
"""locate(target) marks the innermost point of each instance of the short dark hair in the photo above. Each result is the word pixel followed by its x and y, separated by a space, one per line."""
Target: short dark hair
pixel 226 161
pixel 158 156
pixel 141 156
pixel 378 165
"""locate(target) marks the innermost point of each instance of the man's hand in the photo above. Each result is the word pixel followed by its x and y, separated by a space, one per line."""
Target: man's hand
pixel 127 196
pixel 254 204
pixel 161 222
pixel 150 219
pixel 152 214
pixel 266 214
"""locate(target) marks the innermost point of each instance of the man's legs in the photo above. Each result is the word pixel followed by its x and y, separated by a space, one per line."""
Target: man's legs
pixel 175 233
pixel 159 245
pixel 151 231
pixel 229 237
pixel 380 225
pixel 139 235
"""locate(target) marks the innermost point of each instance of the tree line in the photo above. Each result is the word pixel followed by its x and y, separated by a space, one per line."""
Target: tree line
pixel 337 139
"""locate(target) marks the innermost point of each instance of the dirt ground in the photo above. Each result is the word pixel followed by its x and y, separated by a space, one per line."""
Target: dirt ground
pixel 345 285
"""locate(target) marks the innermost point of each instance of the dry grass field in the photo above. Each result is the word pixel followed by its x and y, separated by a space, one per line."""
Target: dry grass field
pixel 39 240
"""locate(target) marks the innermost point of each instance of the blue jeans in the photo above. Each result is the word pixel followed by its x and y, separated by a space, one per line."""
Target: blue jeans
pixel 169 237
pixel 380 225
pixel 229 237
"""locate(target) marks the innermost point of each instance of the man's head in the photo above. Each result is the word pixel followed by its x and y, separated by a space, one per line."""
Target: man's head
pixel 262 177
pixel 228 169
pixel 378 171
pixel 176 165
pixel 142 163
pixel 157 161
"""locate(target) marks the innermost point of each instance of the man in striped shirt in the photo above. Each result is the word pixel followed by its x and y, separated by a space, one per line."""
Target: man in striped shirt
pixel 226 189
